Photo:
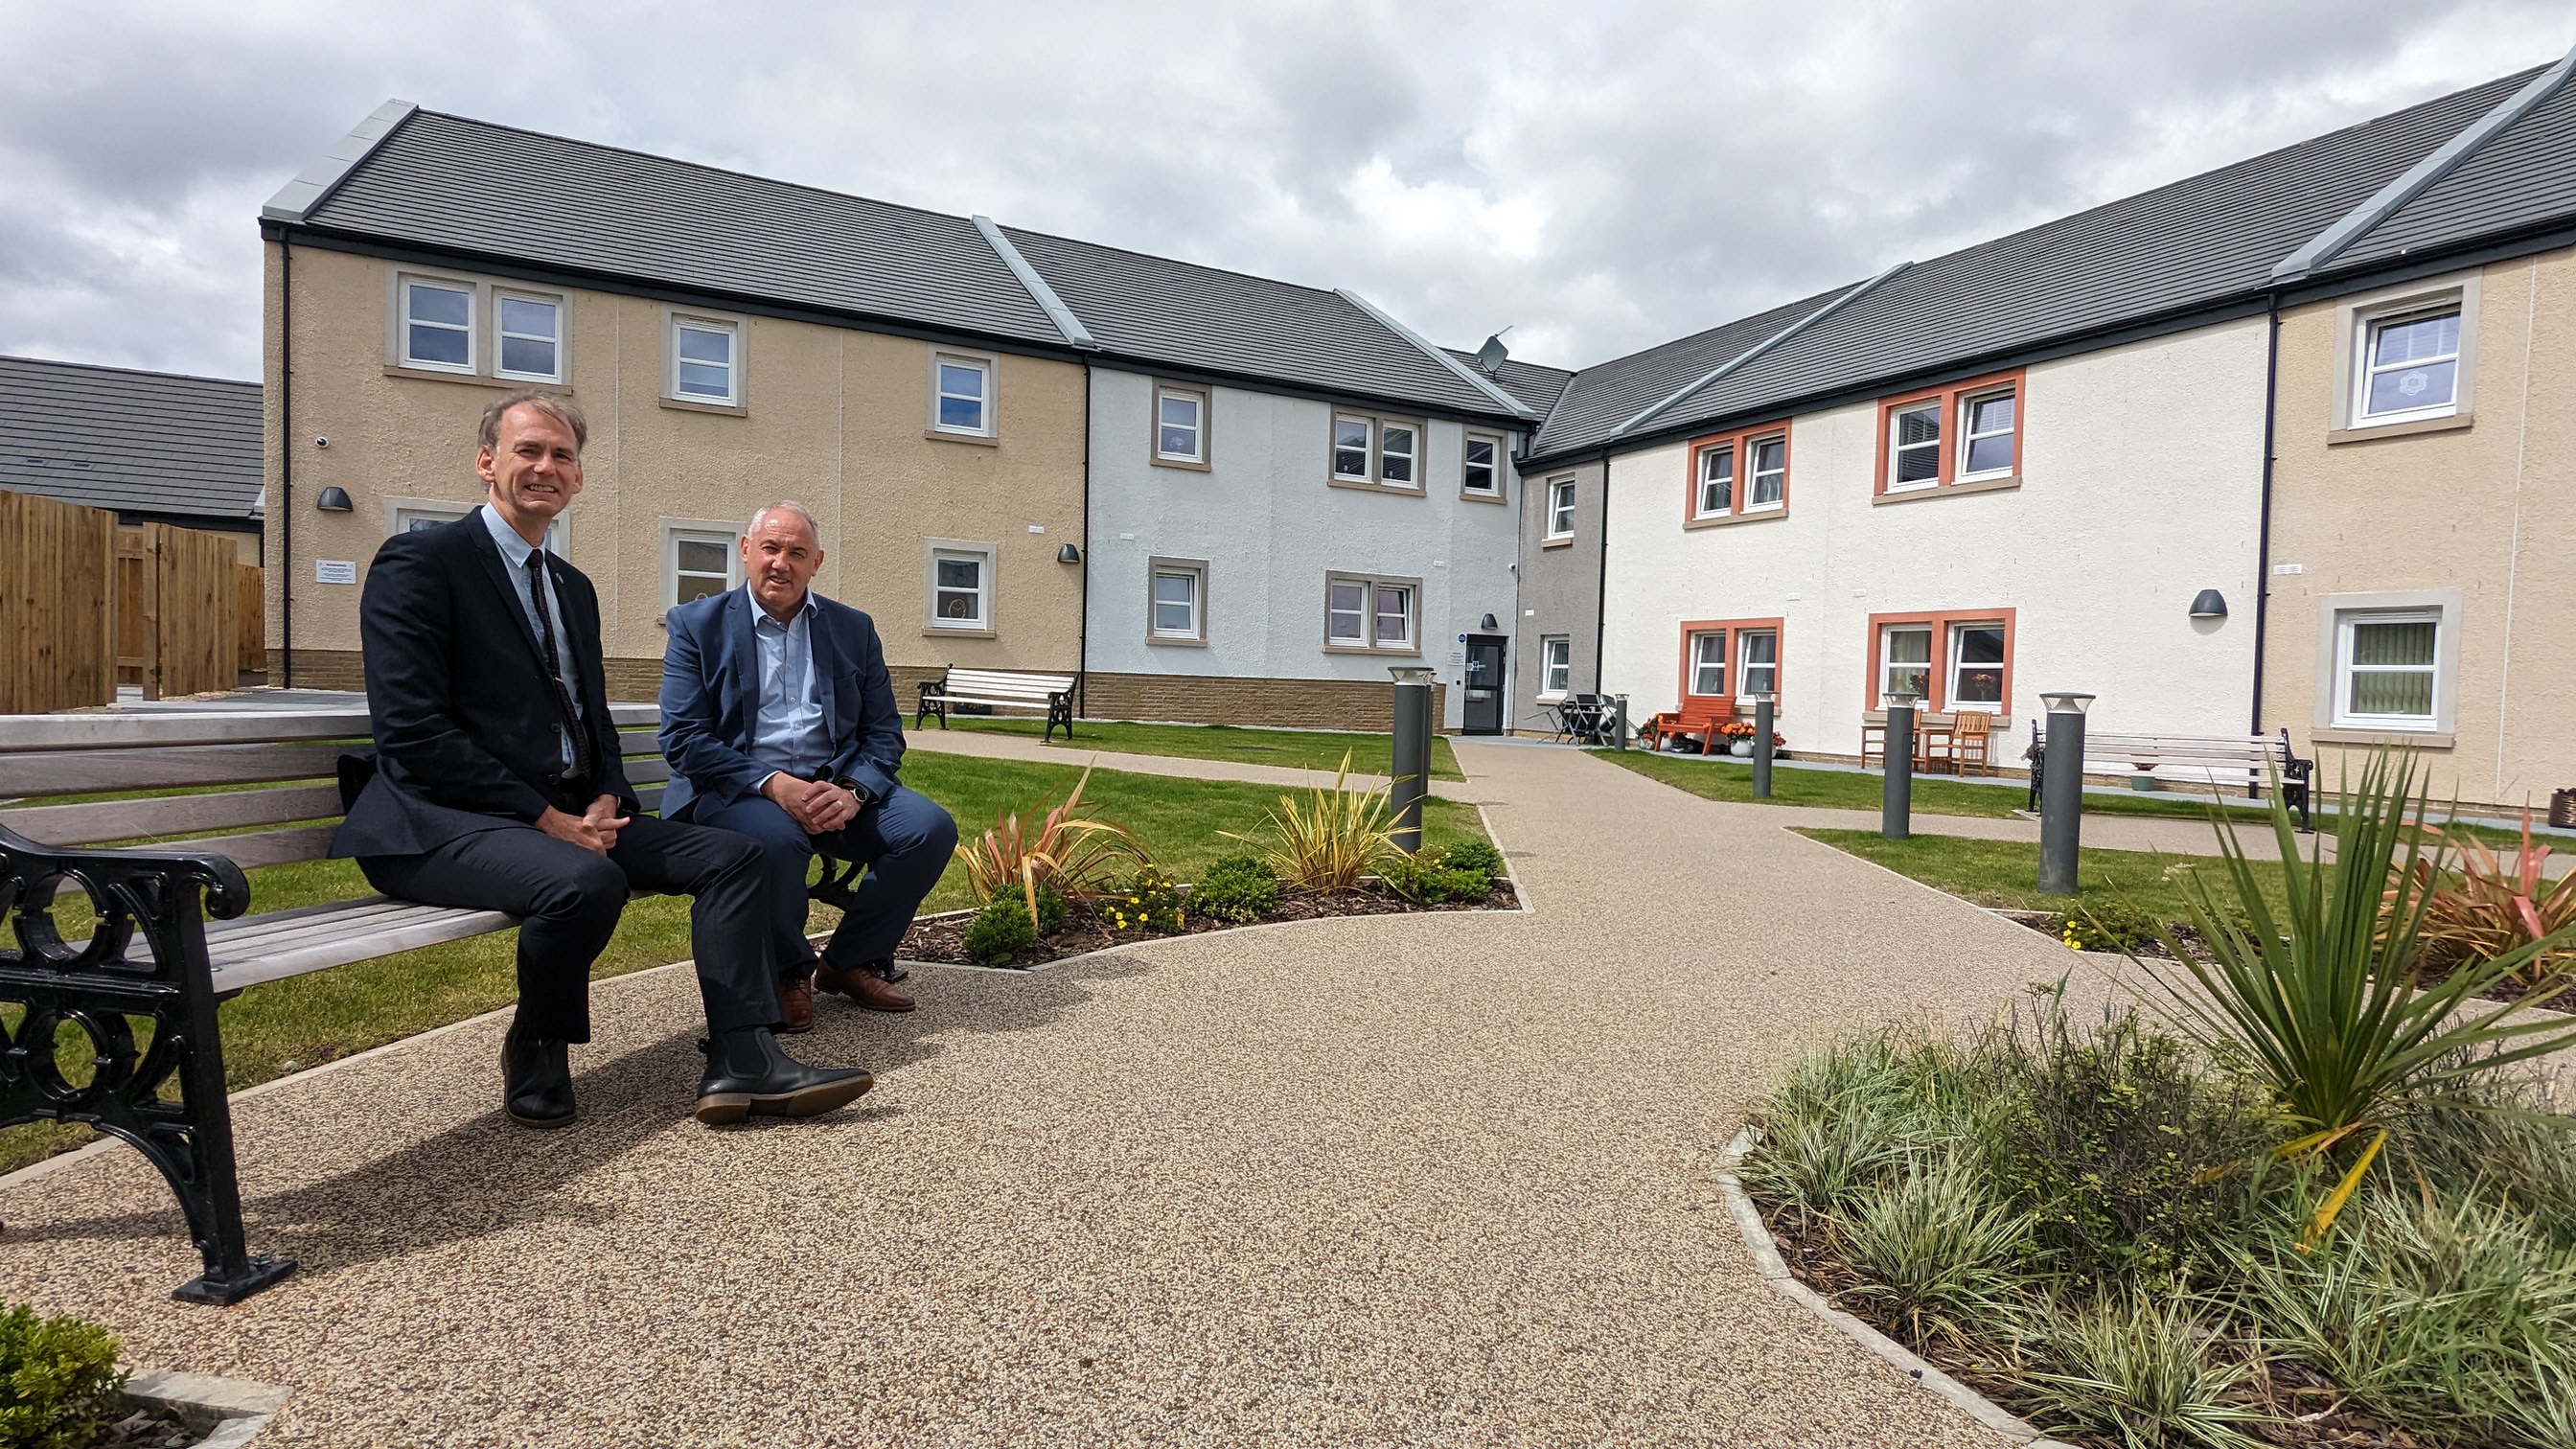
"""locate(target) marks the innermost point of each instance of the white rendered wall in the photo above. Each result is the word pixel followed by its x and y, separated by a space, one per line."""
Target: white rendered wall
pixel 2141 485
pixel 1270 529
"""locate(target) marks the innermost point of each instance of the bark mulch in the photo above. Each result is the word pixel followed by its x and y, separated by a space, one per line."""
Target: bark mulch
pixel 940 939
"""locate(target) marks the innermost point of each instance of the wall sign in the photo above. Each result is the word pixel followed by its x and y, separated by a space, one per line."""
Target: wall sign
pixel 335 571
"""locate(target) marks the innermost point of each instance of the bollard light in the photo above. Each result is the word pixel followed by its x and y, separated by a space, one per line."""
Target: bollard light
pixel 1763 713
pixel 1896 800
pixel 2061 791
pixel 1411 765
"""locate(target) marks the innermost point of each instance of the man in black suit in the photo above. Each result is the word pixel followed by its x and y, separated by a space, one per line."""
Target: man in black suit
pixel 498 785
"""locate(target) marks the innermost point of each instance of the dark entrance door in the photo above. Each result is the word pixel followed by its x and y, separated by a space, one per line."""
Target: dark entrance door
pixel 1484 714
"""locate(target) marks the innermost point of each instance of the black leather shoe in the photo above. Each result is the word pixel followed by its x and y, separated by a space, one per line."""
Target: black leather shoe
pixel 536 1081
pixel 747 1073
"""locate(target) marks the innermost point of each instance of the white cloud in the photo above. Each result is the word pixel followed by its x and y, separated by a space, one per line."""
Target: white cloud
pixel 1603 179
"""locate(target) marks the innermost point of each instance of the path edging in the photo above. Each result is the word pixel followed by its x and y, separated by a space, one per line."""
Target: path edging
pixel 228 1413
pixel 1767 1262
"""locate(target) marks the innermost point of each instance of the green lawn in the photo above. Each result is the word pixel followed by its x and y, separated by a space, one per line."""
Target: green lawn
pixel 286 1026
pixel 1297 749
pixel 1726 779
pixel 2006 872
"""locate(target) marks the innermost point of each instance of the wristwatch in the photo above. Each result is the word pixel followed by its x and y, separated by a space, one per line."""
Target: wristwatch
pixel 861 793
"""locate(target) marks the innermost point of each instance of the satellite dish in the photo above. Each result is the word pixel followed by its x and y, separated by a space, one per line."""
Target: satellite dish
pixel 1493 354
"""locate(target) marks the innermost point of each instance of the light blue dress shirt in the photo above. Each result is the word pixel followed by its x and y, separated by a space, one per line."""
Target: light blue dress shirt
pixel 789 733
pixel 514 555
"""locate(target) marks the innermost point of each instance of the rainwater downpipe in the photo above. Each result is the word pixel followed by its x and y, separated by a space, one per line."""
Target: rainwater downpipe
pixel 1601 594
pixel 2263 526
pixel 286 458
pixel 1082 623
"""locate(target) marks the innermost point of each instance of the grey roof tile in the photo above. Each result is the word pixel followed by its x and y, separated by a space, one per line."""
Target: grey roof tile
pixel 1600 398
pixel 468 186
pixel 2523 178
pixel 137 442
pixel 1157 309
pixel 2199 242
pixel 1534 383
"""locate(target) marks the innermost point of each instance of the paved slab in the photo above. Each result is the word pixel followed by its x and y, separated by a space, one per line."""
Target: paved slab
pixel 1396 1180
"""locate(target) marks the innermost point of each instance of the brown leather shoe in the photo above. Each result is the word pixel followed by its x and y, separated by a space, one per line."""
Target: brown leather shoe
pixel 795 1005
pixel 861 985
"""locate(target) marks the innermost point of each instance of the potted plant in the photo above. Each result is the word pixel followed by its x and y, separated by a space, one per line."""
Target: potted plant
pixel 1739 738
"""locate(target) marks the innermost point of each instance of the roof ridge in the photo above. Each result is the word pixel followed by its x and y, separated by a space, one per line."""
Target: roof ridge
pixel 2441 161
pixel 1039 292
pixel 1423 345
pixel 314 184
pixel 130 371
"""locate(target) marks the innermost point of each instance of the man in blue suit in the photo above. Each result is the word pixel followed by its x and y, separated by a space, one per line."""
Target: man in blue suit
pixel 780 723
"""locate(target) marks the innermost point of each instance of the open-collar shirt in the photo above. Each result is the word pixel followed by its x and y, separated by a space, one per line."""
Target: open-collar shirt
pixel 789 733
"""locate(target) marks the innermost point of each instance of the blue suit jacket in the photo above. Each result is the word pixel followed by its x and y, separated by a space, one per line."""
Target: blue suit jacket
pixel 711 700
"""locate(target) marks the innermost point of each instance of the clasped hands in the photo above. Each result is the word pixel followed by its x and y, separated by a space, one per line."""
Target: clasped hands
pixel 818 807
pixel 594 829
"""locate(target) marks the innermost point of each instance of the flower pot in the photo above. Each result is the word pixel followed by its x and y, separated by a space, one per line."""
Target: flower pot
pixel 2142 782
pixel 1741 749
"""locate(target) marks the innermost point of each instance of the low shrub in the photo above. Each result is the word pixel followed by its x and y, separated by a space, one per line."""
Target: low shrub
pixel 1053 913
pixel 2109 925
pixel 1935 1251
pixel 1001 931
pixel 58 1381
pixel 1427 878
pixel 1149 901
pixel 1479 856
pixel 1239 889
pixel 2143 1375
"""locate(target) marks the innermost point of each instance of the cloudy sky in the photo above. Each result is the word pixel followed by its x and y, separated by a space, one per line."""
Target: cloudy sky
pixel 1598 178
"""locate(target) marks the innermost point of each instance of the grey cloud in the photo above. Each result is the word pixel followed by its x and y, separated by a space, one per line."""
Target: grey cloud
pixel 1605 179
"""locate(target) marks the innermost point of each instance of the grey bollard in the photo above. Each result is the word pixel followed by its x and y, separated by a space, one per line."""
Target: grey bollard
pixel 2061 793
pixel 1896 804
pixel 1412 756
pixel 1619 722
pixel 1762 715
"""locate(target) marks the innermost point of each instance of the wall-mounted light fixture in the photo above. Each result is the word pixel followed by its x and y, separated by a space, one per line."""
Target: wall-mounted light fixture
pixel 334 499
pixel 1488 624
pixel 1068 554
pixel 2209 604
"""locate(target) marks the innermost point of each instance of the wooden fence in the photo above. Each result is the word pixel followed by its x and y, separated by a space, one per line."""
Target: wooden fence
pixel 178 610
pixel 57 633
pixel 250 605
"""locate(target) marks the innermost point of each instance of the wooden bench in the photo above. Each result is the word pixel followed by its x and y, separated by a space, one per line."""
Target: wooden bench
pixel 191 958
pixel 1694 719
pixel 2249 761
pixel 1000 689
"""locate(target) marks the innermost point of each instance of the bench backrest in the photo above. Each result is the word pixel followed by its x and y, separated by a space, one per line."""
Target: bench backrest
pixel 2250 751
pixel 1005 683
pixel 266 783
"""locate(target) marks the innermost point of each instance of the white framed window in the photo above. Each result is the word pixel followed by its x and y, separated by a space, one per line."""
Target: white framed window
pixel 1560 508
pixel 1176 601
pixel 1905 663
pixel 411 515
pixel 530 328
pixel 1716 494
pixel 1481 468
pixel 1377 614
pixel 1555 665
pixel 1180 425
pixel 2410 366
pixel 1767 477
pixel 1986 423
pixel 1976 667
pixel 1914 445
pixel 437 324
pixel 1757 654
pixel 961 394
pixel 1351 438
pixel 957 587
pixel 706 360
pixel 2388 664
pixel 1708 663
pixel 1397 446
pixel 700 559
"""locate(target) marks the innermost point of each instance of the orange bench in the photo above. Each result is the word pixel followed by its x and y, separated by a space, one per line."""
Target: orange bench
pixel 1692 719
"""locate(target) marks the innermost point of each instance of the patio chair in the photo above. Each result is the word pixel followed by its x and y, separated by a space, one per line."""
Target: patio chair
pixel 1972 735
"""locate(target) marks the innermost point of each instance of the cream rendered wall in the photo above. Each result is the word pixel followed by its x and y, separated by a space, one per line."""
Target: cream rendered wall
pixel 1270 528
pixel 835 418
pixel 2488 510
pixel 2141 469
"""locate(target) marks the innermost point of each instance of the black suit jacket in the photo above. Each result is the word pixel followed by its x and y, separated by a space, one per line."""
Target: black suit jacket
pixel 456 689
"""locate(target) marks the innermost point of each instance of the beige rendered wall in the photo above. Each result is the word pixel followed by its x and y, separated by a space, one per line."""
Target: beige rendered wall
pixel 834 418
pixel 2487 509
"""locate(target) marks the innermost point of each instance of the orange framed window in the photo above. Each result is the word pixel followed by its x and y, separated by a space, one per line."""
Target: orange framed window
pixel 1729 659
pixel 1956 659
pixel 1962 432
pixel 1742 474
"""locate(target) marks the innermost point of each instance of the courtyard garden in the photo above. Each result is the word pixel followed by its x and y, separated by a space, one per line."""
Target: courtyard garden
pixel 1319 750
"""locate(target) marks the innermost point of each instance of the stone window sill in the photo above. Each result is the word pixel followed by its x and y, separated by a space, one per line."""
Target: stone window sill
pixel 471 379
pixel 1728 520
pixel 981 440
pixel 2420 739
pixel 729 410
pixel 1565 542
pixel 937 631
pixel 1946 490
pixel 2373 432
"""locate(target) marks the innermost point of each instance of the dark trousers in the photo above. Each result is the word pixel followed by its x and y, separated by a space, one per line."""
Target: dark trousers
pixel 905 840
pixel 570 898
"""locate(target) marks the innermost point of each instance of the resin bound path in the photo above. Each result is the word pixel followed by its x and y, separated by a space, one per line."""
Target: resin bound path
pixel 1427 1180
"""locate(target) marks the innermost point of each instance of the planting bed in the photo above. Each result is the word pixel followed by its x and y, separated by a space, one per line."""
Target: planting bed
pixel 941 939
pixel 2513 988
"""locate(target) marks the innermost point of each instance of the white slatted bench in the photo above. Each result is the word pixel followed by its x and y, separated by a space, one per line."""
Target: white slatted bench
pixel 1000 689
pixel 2251 762
pixel 226 773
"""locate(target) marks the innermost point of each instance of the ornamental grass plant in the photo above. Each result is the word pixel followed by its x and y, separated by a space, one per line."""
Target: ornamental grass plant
pixel 1330 839
pixel 1068 848
pixel 2494 903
